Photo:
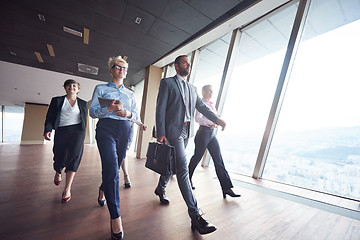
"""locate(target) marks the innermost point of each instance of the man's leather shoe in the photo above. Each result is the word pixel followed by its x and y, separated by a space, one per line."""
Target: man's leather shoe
pixel 202 226
pixel 192 186
pixel 163 199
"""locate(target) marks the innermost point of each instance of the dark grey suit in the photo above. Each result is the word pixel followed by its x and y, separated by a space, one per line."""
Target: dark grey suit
pixel 170 114
pixel 170 109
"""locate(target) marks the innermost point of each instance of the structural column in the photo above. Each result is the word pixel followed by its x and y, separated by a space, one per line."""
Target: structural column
pixel 148 107
pixel 33 126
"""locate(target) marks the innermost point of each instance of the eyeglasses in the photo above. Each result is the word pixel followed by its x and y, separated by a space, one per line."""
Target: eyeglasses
pixel 120 68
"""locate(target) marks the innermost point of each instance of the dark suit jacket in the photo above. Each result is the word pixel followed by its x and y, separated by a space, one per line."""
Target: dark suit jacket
pixel 170 109
pixel 53 114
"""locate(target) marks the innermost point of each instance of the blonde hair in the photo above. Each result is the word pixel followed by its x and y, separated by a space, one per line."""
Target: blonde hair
pixel 205 87
pixel 113 60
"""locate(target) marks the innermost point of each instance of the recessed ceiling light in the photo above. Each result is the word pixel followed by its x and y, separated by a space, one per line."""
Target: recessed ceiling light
pixel 72 31
pixel 13 53
pixel 88 69
pixel 41 17
pixel 137 20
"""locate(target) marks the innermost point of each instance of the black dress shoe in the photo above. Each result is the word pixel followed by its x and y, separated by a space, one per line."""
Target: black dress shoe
pixel 202 226
pixel 163 199
pixel 230 193
pixel 101 202
pixel 127 185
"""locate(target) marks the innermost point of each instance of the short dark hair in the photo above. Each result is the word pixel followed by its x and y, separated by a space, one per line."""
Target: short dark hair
pixel 177 60
pixel 71 81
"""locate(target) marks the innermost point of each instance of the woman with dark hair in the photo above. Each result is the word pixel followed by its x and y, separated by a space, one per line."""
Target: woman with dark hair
pixel 67 115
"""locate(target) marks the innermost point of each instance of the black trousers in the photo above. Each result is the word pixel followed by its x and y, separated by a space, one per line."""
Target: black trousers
pixel 68 147
pixel 205 139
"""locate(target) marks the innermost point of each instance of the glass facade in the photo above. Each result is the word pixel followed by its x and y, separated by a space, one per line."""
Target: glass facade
pixel 209 71
pixel 13 123
pixel 138 91
pixel 317 139
pixel 251 89
pixel 210 67
pixel 1 124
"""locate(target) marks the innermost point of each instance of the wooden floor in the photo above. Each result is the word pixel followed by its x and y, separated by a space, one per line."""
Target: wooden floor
pixel 30 206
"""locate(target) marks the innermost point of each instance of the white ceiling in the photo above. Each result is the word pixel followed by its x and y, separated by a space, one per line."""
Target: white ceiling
pixel 20 84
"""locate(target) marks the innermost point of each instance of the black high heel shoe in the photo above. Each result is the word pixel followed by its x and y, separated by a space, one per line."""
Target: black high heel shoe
pixel 116 236
pixel 101 202
pixel 127 185
pixel 230 193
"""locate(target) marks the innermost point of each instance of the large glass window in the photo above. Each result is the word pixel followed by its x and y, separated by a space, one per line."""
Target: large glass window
pixel 138 91
pixel 13 123
pixel 317 139
pixel 1 124
pixel 252 87
pixel 209 70
pixel 211 64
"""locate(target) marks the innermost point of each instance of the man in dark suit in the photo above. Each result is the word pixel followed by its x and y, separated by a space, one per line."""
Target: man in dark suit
pixel 176 103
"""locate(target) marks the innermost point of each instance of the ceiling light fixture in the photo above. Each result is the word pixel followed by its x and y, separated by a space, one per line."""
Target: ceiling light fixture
pixel 88 69
pixel 38 56
pixel 50 49
pixel 41 17
pixel 86 35
pixel 13 53
pixel 72 31
pixel 137 20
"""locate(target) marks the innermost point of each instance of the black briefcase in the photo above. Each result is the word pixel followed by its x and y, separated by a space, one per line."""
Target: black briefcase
pixel 160 158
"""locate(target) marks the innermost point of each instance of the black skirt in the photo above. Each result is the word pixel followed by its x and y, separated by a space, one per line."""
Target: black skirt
pixel 68 147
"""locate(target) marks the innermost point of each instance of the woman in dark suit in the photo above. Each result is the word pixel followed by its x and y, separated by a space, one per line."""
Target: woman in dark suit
pixel 67 115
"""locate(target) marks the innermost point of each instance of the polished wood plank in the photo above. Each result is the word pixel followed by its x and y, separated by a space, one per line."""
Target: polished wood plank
pixel 31 208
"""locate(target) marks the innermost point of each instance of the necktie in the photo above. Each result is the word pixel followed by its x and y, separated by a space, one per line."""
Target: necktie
pixel 187 100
